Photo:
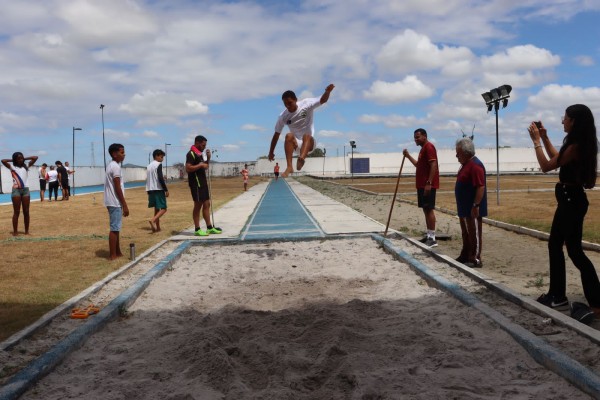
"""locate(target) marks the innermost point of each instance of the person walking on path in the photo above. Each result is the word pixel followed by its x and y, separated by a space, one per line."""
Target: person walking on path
pixel 577 160
pixel 245 176
pixel 471 202
pixel 20 191
pixel 276 171
pixel 42 178
pixel 427 181
pixel 196 167
pixel 114 199
pixel 157 189
pixel 52 178
pixel 298 116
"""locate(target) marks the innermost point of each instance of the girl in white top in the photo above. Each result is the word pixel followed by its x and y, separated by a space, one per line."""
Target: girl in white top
pixel 20 191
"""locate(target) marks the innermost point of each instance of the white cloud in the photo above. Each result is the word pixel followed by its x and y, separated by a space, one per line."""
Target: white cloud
pixel 562 96
pixel 585 61
pixel 253 127
pixel 519 58
pixel 231 147
pixel 150 134
pixel 326 133
pixel 411 51
pixel 390 121
pixel 409 89
pixel 162 106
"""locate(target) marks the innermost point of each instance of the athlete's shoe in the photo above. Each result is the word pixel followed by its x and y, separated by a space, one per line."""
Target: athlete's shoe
pixel 201 232
pixel 214 230
pixel 553 302
pixel 431 242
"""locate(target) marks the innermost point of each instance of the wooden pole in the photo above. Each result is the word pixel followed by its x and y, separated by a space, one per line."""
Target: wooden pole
pixel 394 199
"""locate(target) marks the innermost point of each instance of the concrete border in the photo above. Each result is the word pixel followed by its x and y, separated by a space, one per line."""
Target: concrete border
pixel 543 353
pixel 44 364
pixel 94 288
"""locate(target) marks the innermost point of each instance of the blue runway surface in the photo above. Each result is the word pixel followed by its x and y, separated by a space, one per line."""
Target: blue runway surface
pixel 280 214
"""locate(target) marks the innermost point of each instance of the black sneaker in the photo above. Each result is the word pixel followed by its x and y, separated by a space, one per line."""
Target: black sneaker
pixel 461 259
pixel 423 240
pixel 473 264
pixel 582 312
pixel 431 242
pixel 553 302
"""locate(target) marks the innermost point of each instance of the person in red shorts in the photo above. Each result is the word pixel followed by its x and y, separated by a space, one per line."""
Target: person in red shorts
pixel 427 181
pixel 245 176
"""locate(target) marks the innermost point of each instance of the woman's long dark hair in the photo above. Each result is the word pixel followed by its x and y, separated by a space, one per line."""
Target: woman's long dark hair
pixel 583 133
pixel 14 160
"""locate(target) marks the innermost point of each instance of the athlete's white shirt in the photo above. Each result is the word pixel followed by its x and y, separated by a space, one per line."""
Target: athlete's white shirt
pixel 299 122
pixel 23 173
pixel 113 170
pixel 52 175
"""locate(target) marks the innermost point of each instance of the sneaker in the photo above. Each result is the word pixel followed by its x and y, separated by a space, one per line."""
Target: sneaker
pixel 431 242
pixel 201 232
pixel 553 302
pixel 473 264
pixel 214 230
pixel 582 313
pixel 423 240
pixel 461 259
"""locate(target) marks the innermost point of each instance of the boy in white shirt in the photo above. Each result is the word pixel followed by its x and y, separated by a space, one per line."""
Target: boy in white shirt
pixel 298 116
pixel 114 198
pixel 157 189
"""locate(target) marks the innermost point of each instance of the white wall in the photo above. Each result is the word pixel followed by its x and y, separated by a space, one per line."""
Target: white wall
pixel 511 160
pixel 84 176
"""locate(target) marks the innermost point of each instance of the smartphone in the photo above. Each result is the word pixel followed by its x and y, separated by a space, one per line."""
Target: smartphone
pixel 538 124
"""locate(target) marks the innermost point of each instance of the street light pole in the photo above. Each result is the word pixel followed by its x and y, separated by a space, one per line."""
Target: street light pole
pixel 352 146
pixel 73 159
pixel 166 161
pixel 103 143
pixel 492 100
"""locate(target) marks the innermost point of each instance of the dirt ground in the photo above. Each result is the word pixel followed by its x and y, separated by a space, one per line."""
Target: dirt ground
pixel 517 261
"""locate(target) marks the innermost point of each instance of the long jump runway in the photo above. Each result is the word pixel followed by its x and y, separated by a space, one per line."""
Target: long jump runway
pixel 281 214
pixel 294 301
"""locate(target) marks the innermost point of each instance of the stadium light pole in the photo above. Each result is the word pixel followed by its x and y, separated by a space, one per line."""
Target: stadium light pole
pixel 166 161
pixel 73 158
pixel 352 146
pixel 103 142
pixel 324 153
pixel 492 100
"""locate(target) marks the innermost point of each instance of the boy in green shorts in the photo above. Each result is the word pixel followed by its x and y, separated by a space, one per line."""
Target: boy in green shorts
pixel 157 189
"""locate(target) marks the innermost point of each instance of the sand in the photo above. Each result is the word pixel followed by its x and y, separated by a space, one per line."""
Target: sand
pixel 326 319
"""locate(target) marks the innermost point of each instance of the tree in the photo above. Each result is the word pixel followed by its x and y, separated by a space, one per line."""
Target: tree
pixel 317 153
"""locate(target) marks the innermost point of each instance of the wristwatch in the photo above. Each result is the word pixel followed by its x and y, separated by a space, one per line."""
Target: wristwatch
pixel 475 205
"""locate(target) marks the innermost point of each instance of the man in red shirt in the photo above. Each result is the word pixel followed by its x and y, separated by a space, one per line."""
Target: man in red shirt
pixel 427 181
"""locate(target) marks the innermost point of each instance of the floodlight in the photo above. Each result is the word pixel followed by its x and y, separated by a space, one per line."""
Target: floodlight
pixel 495 94
pixel 505 90
pixel 487 97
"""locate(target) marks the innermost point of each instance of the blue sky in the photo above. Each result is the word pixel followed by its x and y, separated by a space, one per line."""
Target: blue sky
pixel 167 70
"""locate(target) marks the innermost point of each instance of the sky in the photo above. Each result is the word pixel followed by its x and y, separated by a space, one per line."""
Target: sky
pixel 168 70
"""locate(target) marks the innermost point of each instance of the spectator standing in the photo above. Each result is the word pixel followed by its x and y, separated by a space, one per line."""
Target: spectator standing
pixel 471 202
pixel 196 166
pixel 52 178
pixel 42 178
pixel 20 196
pixel 427 181
pixel 578 161
pixel 156 187
pixel 114 199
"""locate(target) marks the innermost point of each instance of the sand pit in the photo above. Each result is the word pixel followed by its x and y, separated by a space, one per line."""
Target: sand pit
pixel 329 319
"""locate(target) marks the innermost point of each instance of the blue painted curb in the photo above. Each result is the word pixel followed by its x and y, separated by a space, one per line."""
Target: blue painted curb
pixel 44 364
pixel 542 352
